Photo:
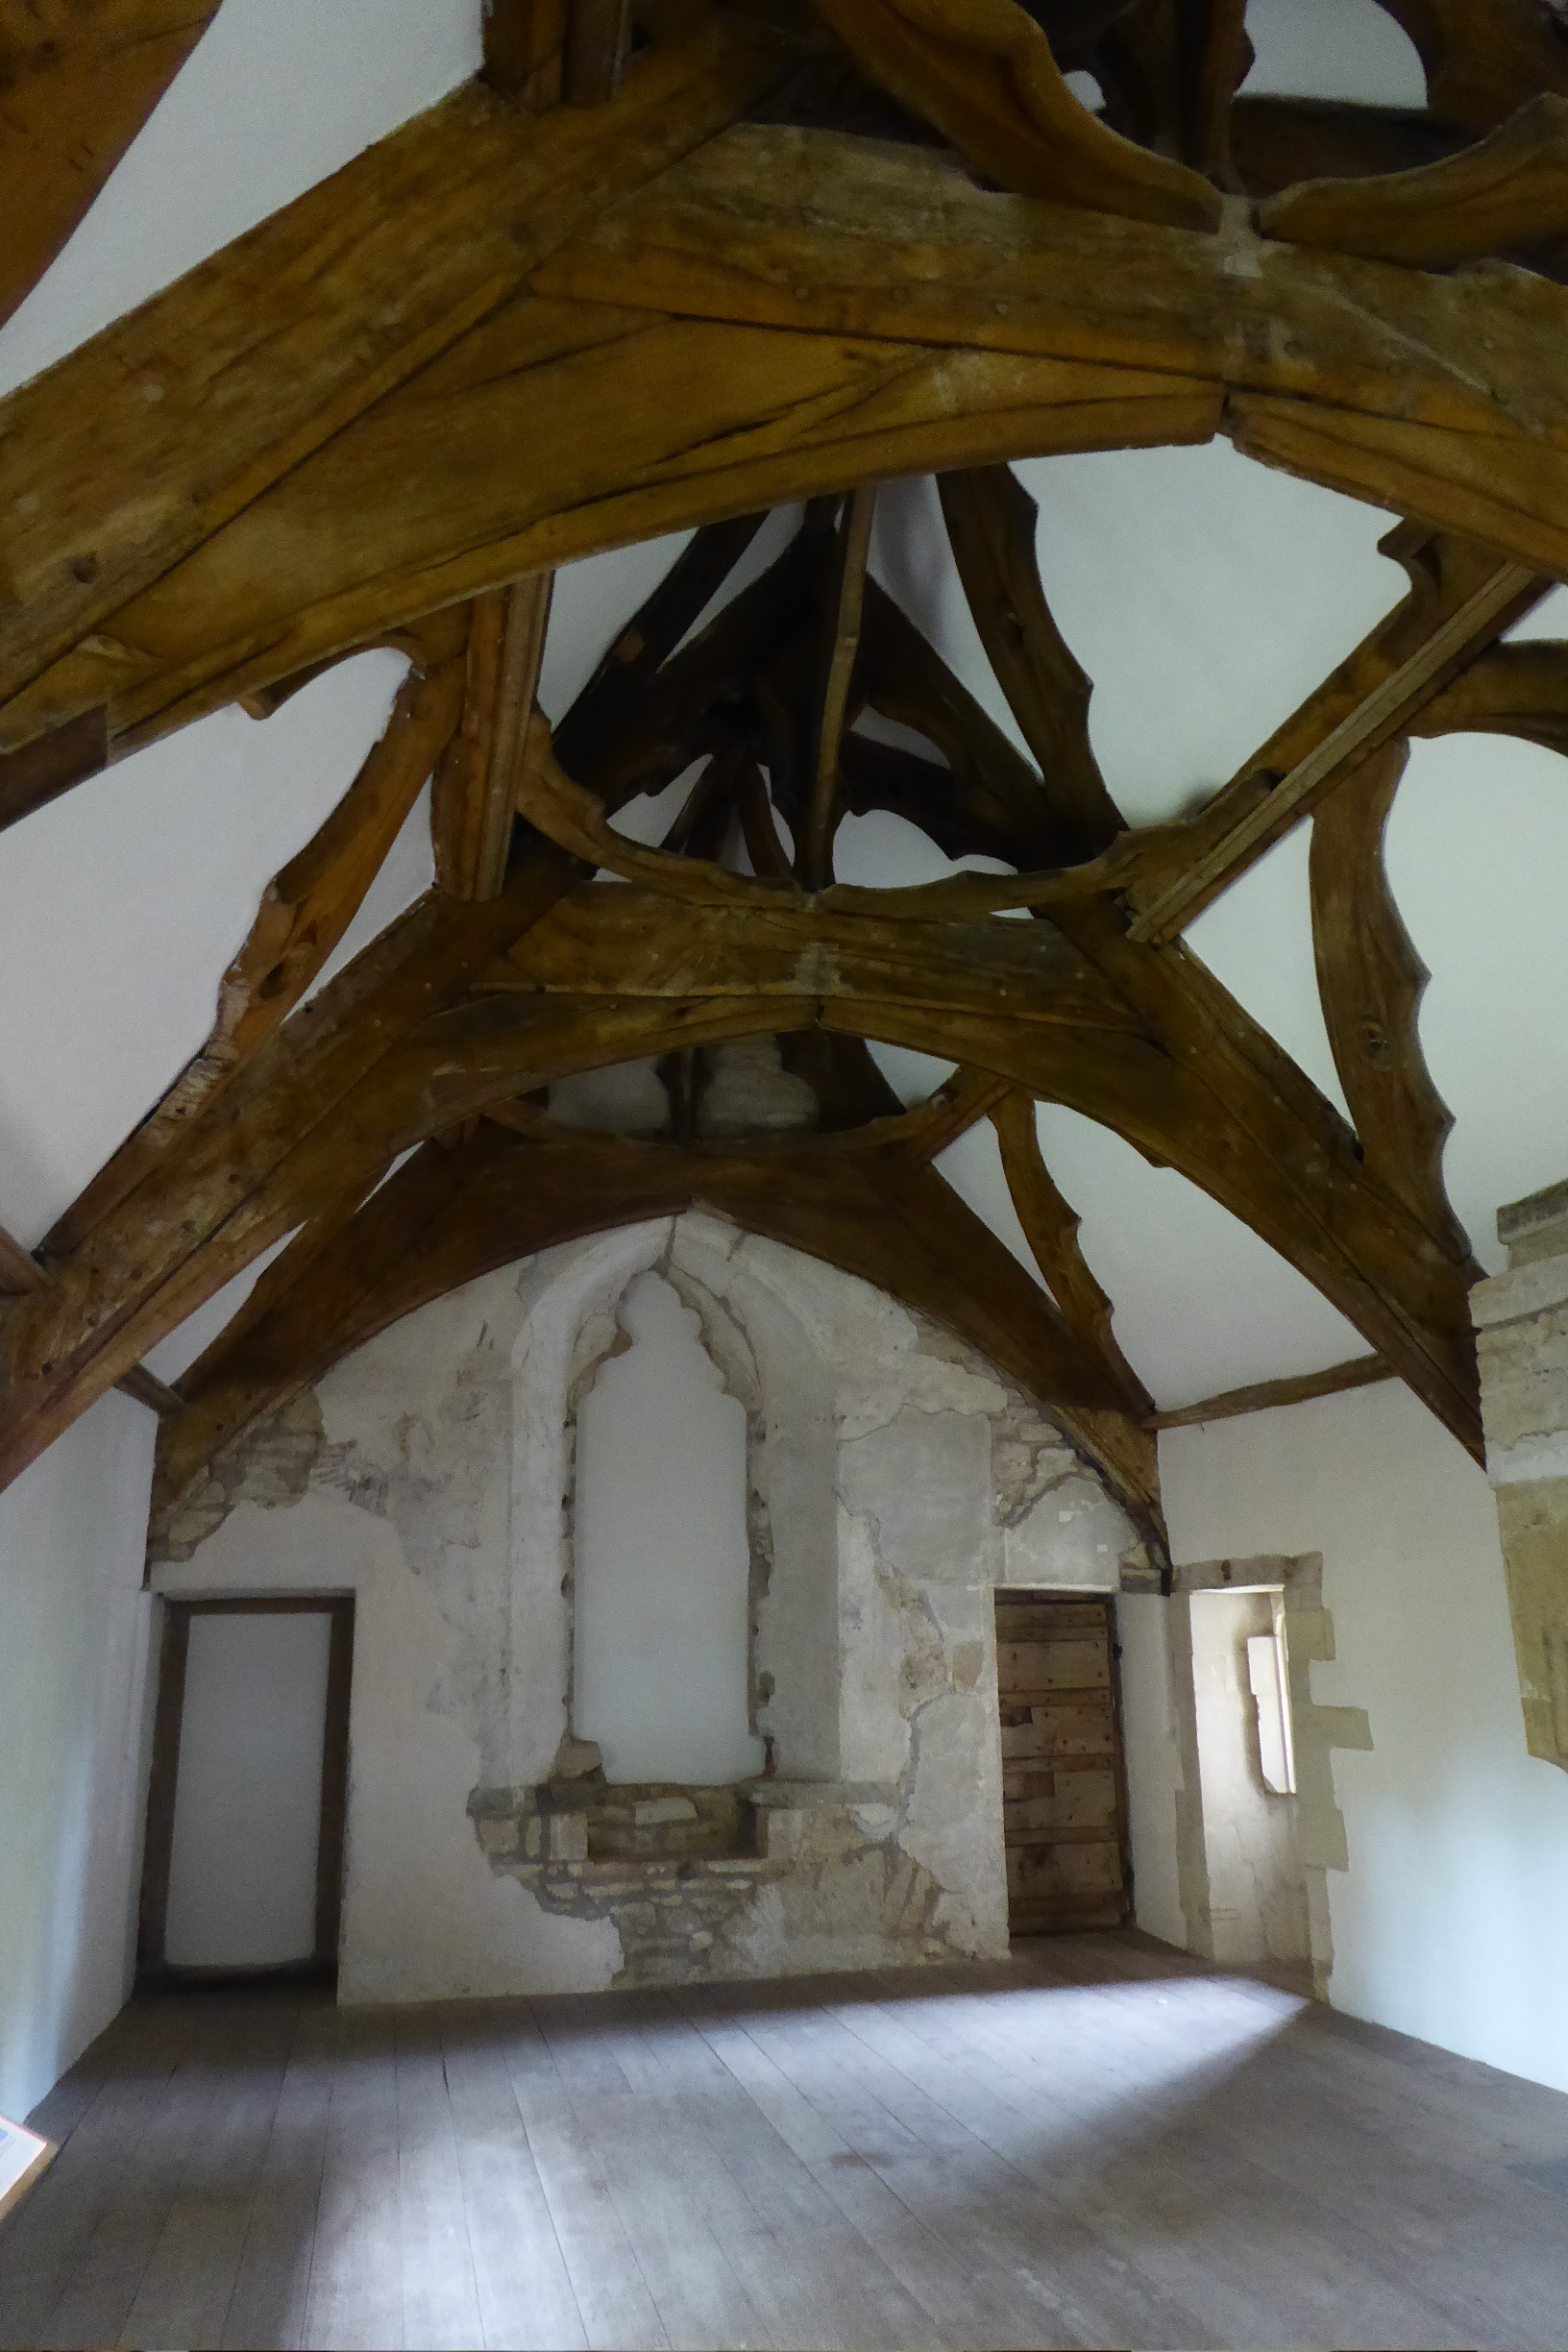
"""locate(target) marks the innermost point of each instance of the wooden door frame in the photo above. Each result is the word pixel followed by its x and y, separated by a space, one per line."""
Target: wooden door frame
pixel 1066 1595
pixel 163 1780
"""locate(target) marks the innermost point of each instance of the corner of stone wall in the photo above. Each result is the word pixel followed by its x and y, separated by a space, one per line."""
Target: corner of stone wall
pixel 1521 1320
pixel 1317 1731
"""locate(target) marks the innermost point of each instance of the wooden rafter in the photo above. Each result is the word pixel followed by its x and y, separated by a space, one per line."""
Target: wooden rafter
pixel 1263 1396
pixel 52 764
pixel 146 1389
pixel 477 789
pixel 1050 1227
pixel 1461 600
pixel 1483 58
pixel 1508 192
pixel 694 319
pixel 1512 690
pixel 1371 981
pixel 305 910
pixel 982 71
pixel 841 649
pixel 19 1270
pixel 388 265
pixel 76 86
pixel 1211 56
pixel 449 1217
pixel 1001 327
pixel 611 975
pixel 992 524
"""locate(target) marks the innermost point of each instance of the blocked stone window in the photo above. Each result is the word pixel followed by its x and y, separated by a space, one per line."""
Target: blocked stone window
pixel 662 1556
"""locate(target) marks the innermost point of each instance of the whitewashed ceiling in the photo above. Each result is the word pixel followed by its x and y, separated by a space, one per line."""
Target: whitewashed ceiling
pixel 1204 595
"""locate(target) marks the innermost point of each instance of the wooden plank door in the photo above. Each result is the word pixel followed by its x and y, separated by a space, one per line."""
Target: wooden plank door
pixel 1064 1786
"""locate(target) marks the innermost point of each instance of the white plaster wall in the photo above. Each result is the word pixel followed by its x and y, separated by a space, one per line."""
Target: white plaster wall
pixel 424 1917
pixel 1153 1764
pixel 662 1556
pixel 891 1465
pixel 1452 1920
pixel 74 1627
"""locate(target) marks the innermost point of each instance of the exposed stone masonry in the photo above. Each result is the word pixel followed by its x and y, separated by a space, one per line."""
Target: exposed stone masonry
pixel 1521 1323
pixel 825 1860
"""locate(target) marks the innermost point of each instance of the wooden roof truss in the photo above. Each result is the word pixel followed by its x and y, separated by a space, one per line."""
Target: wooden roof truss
pixel 674 265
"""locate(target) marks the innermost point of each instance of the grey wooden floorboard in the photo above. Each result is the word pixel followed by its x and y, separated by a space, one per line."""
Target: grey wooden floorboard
pixel 705 2121
pixel 964 2201
pixel 696 2290
pixel 1096 2143
pixel 185 2287
pixel 618 2312
pixel 1298 2119
pixel 45 2239
pixel 868 2305
pixel 1201 2235
pixel 1064 2283
pixel 440 2292
pixel 272 2286
pixel 354 2296
pixel 524 2290
pixel 96 2299
pixel 949 2300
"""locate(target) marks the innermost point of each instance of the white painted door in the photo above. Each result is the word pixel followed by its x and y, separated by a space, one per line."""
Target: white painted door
pixel 247 1809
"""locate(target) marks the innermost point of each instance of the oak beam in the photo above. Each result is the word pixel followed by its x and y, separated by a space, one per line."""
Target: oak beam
pixel 1371 981
pixel 1483 58
pixel 1146 1044
pixel 20 1273
pixel 1513 690
pixel 991 526
pixel 1050 1227
pixel 524 49
pixel 137 448
pixel 867 269
pixel 1507 193
pixel 305 910
pixel 78 86
pixel 146 1389
pixel 1410 1301
pixel 1262 805
pixel 52 764
pixel 476 787
pixel 1297 1389
pixel 1211 58
pixel 983 73
pixel 847 601
pixel 448 1217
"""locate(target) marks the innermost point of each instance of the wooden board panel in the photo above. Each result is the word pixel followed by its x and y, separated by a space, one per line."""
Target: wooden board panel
pixel 1062 1729
pixel 1064 1807
pixel 1029 1666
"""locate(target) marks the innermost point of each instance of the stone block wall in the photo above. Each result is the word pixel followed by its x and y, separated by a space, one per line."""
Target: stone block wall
pixel 1521 1320
pixel 895 1480
pixel 1316 1827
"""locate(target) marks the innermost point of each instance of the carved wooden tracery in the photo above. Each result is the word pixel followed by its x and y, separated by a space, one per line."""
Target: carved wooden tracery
pixel 729 268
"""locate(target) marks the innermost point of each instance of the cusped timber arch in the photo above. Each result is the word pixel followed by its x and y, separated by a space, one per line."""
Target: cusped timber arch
pixel 449 1215
pixel 783 312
